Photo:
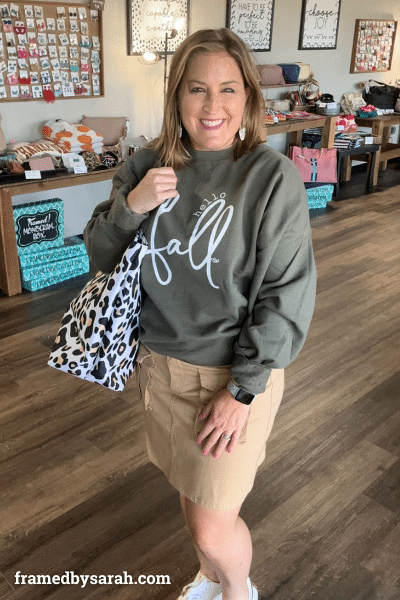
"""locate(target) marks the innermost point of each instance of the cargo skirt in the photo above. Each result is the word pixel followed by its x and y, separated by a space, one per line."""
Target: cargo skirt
pixel 174 394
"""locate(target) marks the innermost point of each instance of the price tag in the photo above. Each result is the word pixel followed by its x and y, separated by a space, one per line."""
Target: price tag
pixel 80 169
pixel 33 175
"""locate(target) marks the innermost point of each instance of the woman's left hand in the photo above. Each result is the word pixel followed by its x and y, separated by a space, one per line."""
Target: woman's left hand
pixel 225 416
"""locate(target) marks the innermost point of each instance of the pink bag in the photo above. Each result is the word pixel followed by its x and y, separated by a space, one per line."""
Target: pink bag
pixel 316 165
pixel 271 75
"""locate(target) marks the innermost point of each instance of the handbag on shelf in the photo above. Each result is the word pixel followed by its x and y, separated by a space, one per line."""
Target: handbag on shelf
pixel 351 102
pixel 305 71
pixel 111 129
pixel 271 75
pixel 98 337
pixel 291 72
pixel 315 165
pixel 381 96
pixel 311 95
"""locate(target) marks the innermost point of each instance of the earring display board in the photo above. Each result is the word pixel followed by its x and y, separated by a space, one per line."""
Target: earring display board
pixel 50 48
pixel 373 46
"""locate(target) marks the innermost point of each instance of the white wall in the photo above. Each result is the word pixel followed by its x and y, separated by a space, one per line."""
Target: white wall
pixel 135 90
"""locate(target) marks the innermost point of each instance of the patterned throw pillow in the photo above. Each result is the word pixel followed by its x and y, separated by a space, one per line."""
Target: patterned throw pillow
pixel 25 150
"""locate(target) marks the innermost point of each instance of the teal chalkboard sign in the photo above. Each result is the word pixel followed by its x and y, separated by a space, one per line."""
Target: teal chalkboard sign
pixel 39 225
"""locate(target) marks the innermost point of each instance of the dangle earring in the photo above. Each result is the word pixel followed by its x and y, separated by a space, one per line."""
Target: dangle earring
pixel 242 133
pixel 180 128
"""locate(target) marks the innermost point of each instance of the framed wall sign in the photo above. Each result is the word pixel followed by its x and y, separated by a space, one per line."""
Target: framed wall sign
pixel 252 21
pixel 373 46
pixel 319 24
pixel 150 20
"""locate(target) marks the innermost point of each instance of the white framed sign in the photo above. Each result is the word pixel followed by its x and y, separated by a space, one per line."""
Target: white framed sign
pixel 252 21
pixel 150 20
pixel 319 24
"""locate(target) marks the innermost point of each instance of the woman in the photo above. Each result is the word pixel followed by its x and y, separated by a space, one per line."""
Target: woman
pixel 230 286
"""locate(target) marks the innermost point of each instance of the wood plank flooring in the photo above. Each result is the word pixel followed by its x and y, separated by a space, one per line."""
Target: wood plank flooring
pixel 77 492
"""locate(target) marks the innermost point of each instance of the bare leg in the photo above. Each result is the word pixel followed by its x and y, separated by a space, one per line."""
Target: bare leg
pixel 205 565
pixel 224 547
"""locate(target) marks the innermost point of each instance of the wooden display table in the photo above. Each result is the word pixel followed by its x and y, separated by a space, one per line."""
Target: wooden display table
pixel 381 127
pixel 10 281
pixel 295 128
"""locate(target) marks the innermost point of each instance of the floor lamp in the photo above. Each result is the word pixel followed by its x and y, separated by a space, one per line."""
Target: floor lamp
pixel 151 58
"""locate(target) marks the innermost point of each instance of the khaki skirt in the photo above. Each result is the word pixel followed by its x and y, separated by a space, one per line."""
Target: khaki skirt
pixel 174 393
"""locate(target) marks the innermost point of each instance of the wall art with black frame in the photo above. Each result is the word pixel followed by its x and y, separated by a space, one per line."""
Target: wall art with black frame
pixel 150 20
pixel 319 24
pixel 252 21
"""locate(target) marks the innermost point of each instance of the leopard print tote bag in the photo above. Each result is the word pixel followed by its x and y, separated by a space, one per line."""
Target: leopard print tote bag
pixel 98 337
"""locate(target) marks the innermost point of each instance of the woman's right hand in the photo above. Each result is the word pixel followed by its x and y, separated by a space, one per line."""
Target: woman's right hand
pixel 156 186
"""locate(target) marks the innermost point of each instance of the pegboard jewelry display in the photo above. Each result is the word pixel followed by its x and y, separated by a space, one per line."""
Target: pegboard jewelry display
pixel 50 51
pixel 373 46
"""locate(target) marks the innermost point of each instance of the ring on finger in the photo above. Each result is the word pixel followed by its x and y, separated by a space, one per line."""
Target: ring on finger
pixel 226 437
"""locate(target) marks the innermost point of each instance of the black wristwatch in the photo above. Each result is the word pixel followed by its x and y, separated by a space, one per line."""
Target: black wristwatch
pixel 240 394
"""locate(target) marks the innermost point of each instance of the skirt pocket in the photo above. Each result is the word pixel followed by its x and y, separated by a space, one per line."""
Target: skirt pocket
pixel 145 364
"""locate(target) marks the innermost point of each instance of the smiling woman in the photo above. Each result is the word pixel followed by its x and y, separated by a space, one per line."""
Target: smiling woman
pixel 238 76
pixel 229 281
pixel 212 98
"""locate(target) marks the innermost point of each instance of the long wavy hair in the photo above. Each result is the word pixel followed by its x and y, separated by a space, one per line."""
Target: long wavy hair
pixel 169 147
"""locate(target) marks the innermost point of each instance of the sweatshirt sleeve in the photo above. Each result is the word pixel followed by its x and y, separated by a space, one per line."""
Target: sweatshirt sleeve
pixel 283 291
pixel 113 225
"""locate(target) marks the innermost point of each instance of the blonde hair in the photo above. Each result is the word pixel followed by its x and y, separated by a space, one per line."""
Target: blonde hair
pixel 169 147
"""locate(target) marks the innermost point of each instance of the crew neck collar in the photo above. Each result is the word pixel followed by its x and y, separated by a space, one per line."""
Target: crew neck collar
pixel 210 155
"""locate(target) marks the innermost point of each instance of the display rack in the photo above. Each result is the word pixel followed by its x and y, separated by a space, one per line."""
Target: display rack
pixel 50 47
pixel 373 45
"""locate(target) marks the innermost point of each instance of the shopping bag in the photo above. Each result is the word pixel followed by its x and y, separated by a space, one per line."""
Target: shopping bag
pixel 382 95
pixel 99 333
pixel 315 165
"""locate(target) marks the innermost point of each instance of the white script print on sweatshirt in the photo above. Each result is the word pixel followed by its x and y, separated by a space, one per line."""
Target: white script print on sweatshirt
pixel 213 222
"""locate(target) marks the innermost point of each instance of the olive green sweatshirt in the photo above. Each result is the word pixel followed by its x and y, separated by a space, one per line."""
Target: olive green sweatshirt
pixel 229 274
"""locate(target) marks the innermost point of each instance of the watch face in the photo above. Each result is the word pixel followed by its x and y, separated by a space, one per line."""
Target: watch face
pixel 244 397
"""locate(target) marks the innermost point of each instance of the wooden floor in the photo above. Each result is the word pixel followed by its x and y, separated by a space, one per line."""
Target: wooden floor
pixel 78 493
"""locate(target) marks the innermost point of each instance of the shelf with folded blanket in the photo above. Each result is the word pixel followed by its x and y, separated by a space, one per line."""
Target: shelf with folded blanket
pixel 10 279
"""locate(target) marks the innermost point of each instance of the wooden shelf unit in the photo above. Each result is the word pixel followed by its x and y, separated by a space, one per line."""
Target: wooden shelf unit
pixel 10 280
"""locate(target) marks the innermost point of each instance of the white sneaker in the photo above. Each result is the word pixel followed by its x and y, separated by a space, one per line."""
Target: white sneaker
pixel 253 594
pixel 201 588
